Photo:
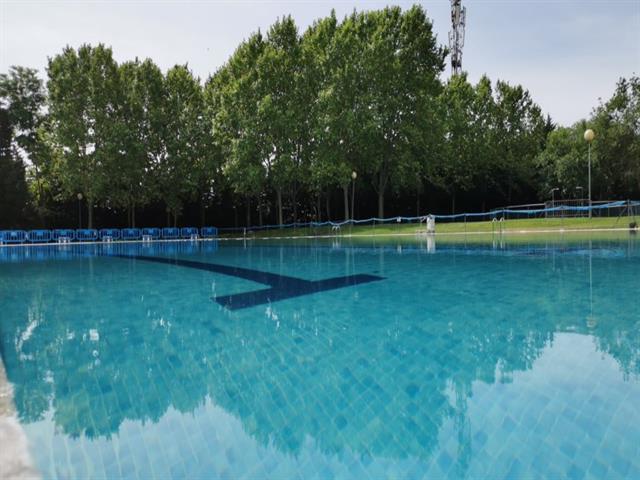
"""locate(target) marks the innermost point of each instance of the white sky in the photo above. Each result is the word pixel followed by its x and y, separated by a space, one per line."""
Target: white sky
pixel 568 53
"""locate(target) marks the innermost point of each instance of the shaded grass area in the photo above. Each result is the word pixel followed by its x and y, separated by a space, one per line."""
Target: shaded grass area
pixel 507 226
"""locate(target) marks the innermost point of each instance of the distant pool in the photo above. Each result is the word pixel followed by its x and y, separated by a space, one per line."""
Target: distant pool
pixel 327 359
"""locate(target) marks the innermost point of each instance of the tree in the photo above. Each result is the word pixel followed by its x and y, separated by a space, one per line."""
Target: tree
pixel 617 144
pixel 282 115
pixel 456 167
pixel 563 162
pixel 22 95
pixel 317 49
pixel 401 65
pixel 340 114
pixel 615 155
pixel 83 89
pixel 185 145
pixel 233 97
pixel 13 188
pixel 138 145
pixel 520 133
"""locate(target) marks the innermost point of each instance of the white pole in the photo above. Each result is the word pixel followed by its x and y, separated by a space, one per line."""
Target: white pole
pixel 589 136
pixel 589 179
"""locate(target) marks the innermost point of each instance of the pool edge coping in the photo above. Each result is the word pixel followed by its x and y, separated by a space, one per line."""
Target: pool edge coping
pixel 16 461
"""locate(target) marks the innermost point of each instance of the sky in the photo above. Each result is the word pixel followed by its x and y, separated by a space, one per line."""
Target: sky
pixel 567 53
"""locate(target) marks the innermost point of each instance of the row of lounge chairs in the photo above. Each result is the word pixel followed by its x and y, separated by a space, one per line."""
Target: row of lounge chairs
pixel 106 234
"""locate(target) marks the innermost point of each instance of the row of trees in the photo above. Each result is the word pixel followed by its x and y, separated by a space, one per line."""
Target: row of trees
pixel 282 126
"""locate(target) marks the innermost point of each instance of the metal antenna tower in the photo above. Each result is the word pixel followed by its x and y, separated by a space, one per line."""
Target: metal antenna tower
pixel 456 35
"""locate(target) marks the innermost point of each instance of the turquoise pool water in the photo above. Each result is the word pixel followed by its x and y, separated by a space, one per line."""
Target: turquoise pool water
pixel 326 359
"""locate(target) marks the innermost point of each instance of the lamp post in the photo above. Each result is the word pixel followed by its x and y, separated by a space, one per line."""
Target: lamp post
pixel 553 196
pixel 354 175
pixel 589 136
pixel 79 196
pixel 580 194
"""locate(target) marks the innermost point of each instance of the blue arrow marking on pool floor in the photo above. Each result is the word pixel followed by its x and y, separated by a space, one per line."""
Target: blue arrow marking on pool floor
pixel 281 286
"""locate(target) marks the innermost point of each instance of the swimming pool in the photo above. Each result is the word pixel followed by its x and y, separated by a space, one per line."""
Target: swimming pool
pixel 325 359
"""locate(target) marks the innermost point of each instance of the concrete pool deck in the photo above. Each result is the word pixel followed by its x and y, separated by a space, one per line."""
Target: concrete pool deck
pixel 15 459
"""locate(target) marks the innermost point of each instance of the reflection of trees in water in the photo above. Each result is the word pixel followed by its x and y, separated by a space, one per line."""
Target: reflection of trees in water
pixel 621 340
pixel 382 391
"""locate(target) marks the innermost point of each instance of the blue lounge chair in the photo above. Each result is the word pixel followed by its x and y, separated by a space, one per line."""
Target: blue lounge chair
pixel 170 233
pixel 151 233
pixel 39 236
pixel 208 232
pixel 87 235
pixel 63 235
pixel 189 232
pixel 14 236
pixel 131 234
pixel 109 234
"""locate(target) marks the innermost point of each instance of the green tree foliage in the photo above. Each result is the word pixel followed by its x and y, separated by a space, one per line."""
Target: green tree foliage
pixel 455 169
pixel 282 110
pixel 13 188
pixel 185 138
pixel 520 132
pixel 617 144
pixel 83 93
pixel 22 95
pixel 615 153
pixel 233 98
pixel 401 65
pixel 137 147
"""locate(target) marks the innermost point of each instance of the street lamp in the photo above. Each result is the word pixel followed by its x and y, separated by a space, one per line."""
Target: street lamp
pixel 354 175
pixel 79 196
pixel 553 196
pixel 580 194
pixel 589 136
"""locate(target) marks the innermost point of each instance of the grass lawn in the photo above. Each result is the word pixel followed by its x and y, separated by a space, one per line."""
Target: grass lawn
pixel 508 226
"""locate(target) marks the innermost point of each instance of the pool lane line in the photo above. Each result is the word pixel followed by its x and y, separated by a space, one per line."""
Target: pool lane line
pixel 282 287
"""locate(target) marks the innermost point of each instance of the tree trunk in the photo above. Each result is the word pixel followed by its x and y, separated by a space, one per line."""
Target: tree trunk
pixel 453 203
pixel 89 213
pixel 279 198
pixel 168 217
pixel 175 218
pixel 380 204
pixel 418 205
pixel 133 216
pixel 260 215
pixel 318 208
pixel 328 206
pixel 295 208
pixel 248 206
pixel 345 191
